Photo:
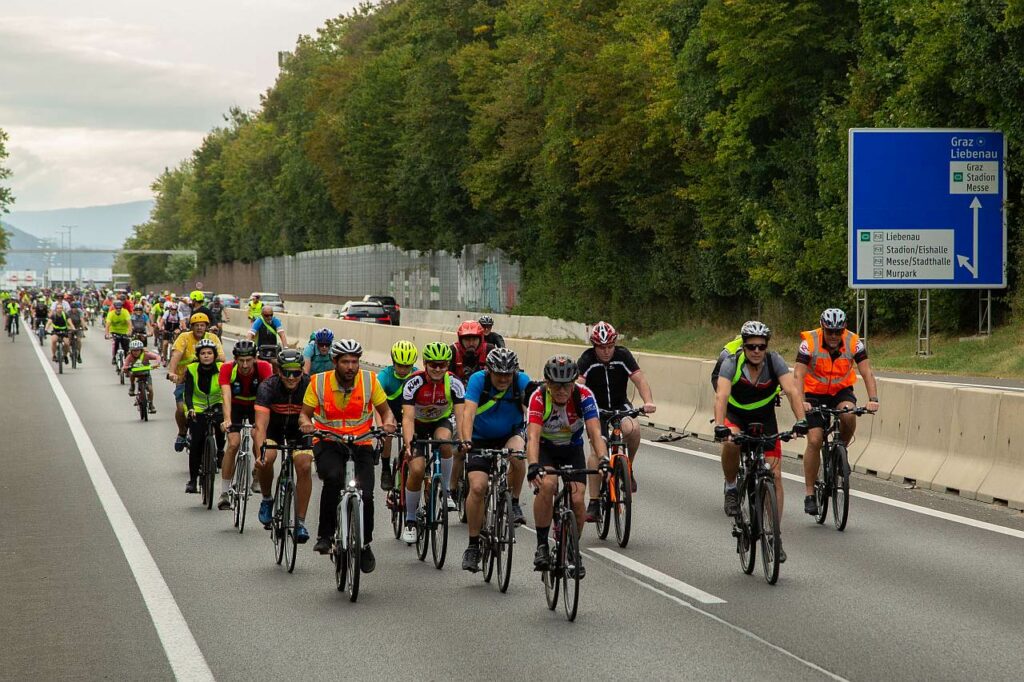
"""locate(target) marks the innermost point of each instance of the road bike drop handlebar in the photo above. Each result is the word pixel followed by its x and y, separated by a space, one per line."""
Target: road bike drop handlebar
pixel 748 439
pixel 491 453
pixel 375 433
pixel 822 410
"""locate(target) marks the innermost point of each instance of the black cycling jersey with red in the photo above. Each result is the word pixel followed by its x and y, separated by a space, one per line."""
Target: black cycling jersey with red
pixel 609 381
pixel 284 407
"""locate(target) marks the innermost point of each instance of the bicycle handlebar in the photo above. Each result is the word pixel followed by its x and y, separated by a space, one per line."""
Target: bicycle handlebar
pixel 349 439
pixel 435 441
pixel 501 452
pixel 622 414
pixel 746 439
pixel 822 410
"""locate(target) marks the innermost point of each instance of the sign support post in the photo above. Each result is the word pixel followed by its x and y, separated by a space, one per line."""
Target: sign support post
pixel 862 314
pixel 924 322
pixel 985 312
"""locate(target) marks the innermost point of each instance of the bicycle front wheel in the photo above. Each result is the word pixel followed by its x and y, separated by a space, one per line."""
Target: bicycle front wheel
pixel 604 520
pixel 488 539
pixel 277 524
pixel 571 562
pixel 288 527
pixel 823 486
pixel 439 525
pixel 355 547
pixel 60 358
pixel 623 492
pixel 771 542
pixel 143 406
pixel 840 488
pixel 505 529
pixel 423 516
pixel 209 470
pixel 397 496
pixel 746 545
pixel 461 493
pixel 551 586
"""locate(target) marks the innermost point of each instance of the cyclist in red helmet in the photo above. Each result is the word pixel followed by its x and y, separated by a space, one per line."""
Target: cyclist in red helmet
pixel 607 369
pixel 469 355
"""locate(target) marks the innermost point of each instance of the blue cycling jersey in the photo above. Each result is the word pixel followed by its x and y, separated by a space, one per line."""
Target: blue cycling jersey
pixel 318 362
pixel 505 418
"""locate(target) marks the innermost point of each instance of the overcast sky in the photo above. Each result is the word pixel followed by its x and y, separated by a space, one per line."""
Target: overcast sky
pixel 98 97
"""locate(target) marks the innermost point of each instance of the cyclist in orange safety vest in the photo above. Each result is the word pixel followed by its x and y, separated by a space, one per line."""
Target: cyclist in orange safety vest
pixel 825 364
pixel 343 402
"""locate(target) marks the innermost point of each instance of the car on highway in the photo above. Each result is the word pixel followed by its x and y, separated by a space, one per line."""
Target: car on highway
pixel 364 311
pixel 229 300
pixel 270 298
pixel 390 305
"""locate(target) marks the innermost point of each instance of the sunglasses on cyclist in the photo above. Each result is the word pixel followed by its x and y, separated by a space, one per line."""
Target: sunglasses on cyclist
pixel 437 365
pixel 755 346
pixel 560 386
pixel 291 373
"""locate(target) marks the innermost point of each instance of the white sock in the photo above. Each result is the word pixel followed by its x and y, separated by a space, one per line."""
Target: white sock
pixel 446 471
pixel 225 485
pixel 730 486
pixel 412 503
pixel 268 498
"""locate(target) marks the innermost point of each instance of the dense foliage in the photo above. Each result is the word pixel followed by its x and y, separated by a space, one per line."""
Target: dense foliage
pixel 6 197
pixel 642 159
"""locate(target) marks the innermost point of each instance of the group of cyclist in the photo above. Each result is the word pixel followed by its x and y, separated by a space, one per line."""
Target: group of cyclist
pixel 472 393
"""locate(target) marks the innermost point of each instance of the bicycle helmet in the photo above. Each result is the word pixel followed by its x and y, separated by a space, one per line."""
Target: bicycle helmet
pixel 323 337
pixel 171 305
pixel 244 348
pixel 503 361
pixel 404 353
pixel 561 369
pixel 437 352
pixel 198 317
pixel 470 328
pixel 833 319
pixel 118 303
pixel 602 334
pixel 205 343
pixel 345 347
pixel 135 344
pixel 754 328
pixel 486 321
pixel 197 296
pixel 290 358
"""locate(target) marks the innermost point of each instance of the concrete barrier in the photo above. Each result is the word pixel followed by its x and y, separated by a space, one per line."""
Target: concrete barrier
pixel 930 431
pixel 704 411
pixel 971 451
pixel 890 429
pixel 1004 483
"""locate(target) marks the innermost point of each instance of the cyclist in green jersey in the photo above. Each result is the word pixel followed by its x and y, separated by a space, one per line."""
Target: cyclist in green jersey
pixel 392 379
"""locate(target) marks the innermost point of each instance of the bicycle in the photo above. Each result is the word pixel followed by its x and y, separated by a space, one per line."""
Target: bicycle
pixel 241 486
pixel 208 465
pixel 834 481
pixel 76 348
pixel 142 381
pixel 283 522
pixel 12 326
pixel 432 517
pixel 41 330
pixel 120 341
pixel 347 544
pixel 61 351
pixel 395 499
pixel 562 574
pixel 758 520
pixel 498 533
pixel 616 496
pixel 460 494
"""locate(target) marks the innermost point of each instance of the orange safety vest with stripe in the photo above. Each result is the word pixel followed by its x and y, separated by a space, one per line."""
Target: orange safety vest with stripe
pixel 356 417
pixel 826 376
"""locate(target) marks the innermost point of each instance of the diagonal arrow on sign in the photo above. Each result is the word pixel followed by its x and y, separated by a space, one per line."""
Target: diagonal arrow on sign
pixel 972 265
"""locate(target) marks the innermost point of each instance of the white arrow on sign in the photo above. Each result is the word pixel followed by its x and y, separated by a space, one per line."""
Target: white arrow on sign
pixel 972 265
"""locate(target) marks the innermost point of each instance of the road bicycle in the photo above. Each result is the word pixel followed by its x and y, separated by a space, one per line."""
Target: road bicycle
pixel 432 516
pixel 241 486
pixel 347 544
pixel 395 499
pixel 564 571
pixel 833 482
pixel 498 532
pixel 120 341
pixel 616 495
pixel 758 520
pixel 283 523
pixel 208 466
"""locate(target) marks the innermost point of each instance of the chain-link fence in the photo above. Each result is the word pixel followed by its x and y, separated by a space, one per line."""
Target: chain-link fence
pixel 480 278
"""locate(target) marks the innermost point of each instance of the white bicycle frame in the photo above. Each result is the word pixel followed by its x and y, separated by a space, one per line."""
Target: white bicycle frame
pixel 349 491
pixel 243 459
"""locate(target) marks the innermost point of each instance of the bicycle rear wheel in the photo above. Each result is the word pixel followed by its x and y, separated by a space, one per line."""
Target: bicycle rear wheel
pixel 488 540
pixel 746 546
pixel 288 527
pixel 355 548
pixel 439 525
pixel 552 584
pixel 604 520
pixel 572 560
pixel 840 488
pixel 74 354
pixel 623 493
pixel 505 540
pixel 142 400
pixel 209 470
pixel 823 485
pixel 771 542
pixel 60 357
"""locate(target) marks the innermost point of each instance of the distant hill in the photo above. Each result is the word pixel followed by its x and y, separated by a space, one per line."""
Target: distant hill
pixel 19 239
pixel 97 226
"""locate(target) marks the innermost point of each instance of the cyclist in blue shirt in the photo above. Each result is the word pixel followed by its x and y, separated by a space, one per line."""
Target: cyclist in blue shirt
pixel 493 418
pixel 392 379
pixel 317 353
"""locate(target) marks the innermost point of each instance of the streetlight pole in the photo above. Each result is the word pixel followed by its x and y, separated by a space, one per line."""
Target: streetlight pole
pixel 68 228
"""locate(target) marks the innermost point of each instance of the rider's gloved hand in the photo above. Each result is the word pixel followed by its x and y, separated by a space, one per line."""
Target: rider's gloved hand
pixel 722 432
pixel 533 472
pixel 800 427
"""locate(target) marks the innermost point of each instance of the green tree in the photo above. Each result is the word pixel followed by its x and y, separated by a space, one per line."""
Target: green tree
pixel 6 196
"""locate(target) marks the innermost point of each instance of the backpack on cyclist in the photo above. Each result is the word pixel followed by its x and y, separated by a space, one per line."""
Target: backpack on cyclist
pixel 733 348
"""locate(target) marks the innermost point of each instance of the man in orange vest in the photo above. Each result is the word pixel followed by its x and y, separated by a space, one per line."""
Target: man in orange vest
pixel 824 368
pixel 343 402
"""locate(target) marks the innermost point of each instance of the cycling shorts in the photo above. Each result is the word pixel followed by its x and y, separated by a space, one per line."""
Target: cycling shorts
pixel 604 420
pixel 426 430
pixel 485 464
pixel 765 416
pixel 295 453
pixel 563 455
pixel 239 415
pixel 816 421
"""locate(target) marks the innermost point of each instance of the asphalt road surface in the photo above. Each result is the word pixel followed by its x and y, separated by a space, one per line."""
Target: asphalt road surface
pixel 110 571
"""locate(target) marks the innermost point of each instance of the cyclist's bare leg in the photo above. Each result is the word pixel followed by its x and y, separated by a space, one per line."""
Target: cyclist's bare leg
pixel 594 480
pixel 812 459
pixel 232 442
pixel 731 460
pixel 475 501
pixel 302 460
pixel 265 471
pixel 631 434
pixel 847 423
pixel 443 433
pixel 517 467
pixel 543 502
pixel 414 477
pixel 578 508
pixel 776 465
pixel 179 418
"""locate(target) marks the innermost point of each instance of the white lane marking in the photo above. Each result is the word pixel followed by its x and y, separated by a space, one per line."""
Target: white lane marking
pixel 946 516
pixel 653 574
pixel 180 646
pixel 693 607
